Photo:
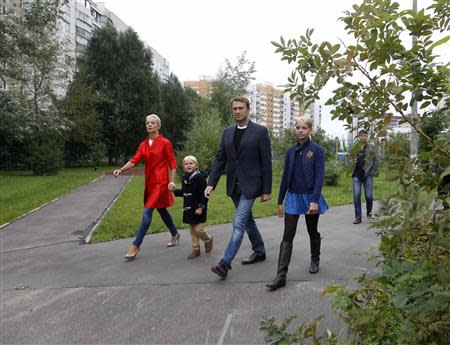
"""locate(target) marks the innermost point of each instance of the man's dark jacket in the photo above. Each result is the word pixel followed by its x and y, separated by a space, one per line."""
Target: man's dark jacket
pixel 250 166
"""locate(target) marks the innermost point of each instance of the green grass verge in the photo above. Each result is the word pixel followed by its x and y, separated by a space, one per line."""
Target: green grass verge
pixel 21 191
pixel 124 218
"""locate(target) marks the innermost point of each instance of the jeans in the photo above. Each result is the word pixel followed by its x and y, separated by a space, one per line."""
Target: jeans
pixel 243 221
pixel 147 220
pixel 367 181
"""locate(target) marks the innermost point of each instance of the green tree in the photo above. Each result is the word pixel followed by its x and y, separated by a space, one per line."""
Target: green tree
pixel 280 145
pixel 395 143
pixel 329 145
pixel 83 142
pixel 432 125
pixel 35 66
pixel 177 112
pixel 203 136
pixel 119 69
pixel 407 302
pixel 231 81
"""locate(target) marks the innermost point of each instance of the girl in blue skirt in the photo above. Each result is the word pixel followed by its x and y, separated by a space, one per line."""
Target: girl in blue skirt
pixel 302 181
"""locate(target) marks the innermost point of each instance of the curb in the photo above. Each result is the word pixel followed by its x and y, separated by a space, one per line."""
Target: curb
pixel 105 211
pixel 46 204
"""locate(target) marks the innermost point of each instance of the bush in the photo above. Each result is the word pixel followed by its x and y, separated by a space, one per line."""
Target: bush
pixel 46 158
pixel 203 139
pixel 331 173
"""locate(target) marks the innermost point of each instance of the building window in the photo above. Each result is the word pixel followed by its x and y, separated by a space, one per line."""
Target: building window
pixel 83 33
pixel 2 8
pixel 66 26
pixel 3 85
pixel 83 17
pixel 80 48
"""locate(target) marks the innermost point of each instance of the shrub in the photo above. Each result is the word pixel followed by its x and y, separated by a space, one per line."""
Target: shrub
pixel 331 173
pixel 46 158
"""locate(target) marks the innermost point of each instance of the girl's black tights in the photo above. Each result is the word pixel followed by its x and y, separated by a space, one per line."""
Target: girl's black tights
pixel 290 226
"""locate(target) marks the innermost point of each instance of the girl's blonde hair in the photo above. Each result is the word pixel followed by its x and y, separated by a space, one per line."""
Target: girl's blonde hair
pixel 306 119
pixel 190 158
pixel 156 117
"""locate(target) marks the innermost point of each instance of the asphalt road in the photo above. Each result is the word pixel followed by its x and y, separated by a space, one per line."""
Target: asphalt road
pixel 55 290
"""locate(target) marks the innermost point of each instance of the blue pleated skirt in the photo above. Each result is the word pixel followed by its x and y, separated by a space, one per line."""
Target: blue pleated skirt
pixel 299 203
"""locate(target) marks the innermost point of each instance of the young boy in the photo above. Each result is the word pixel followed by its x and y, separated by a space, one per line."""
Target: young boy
pixel 194 205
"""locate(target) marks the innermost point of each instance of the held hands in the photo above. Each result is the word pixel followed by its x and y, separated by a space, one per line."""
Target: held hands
pixel 171 186
pixel 265 197
pixel 313 208
pixel 280 212
pixel 198 211
pixel 117 172
pixel 208 191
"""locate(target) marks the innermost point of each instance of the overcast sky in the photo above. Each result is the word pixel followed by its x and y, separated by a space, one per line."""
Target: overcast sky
pixel 196 36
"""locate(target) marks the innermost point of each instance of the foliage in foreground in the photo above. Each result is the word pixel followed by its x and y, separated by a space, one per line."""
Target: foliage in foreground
pixel 406 301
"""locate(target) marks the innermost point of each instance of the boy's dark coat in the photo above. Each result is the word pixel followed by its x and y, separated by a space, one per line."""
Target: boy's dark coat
pixel 193 198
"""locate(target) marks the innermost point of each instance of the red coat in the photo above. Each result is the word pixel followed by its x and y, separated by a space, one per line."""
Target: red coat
pixel 159 158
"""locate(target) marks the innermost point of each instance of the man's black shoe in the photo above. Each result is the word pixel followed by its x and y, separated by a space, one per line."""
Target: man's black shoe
pixel 369 215
pixel 255 257
pixel 357 221
pixel 220 270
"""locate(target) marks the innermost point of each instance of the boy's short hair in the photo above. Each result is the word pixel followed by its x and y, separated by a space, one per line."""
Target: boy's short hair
pixel 190 158
pixel 363 131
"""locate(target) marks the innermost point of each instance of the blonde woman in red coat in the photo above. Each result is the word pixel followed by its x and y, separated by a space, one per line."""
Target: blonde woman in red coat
pixel 160 171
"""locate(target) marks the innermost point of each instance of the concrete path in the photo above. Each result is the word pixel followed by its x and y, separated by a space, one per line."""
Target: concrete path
pixel 56 291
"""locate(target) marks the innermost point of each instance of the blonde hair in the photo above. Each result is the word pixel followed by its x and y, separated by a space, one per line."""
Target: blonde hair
pixel 190 158
pixel 156 117
pixel 306 119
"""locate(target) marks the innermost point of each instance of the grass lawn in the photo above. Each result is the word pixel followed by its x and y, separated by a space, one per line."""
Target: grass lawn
pixel 124 218
pixel 21 191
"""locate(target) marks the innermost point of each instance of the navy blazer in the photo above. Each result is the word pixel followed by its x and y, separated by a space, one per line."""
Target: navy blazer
pixel 313 167
pixel 251 165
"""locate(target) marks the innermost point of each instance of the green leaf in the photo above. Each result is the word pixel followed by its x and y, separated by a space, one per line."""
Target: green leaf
pixel 276 44
pixel 438 43
pixel 425 104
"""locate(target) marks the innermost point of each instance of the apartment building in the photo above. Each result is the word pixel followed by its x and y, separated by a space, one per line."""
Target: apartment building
pixel 272 107
pixel 314 111
pixel 12 8
pixel 203 87
pixel 78 21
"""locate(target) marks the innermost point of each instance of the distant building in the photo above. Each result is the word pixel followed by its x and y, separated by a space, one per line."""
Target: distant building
pixel 315 112
pixel 272 107
pixel 202 87
pixel 160 65
pixel 11 8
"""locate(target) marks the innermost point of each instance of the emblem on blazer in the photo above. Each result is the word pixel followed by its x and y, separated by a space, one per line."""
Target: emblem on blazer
pixel 309 154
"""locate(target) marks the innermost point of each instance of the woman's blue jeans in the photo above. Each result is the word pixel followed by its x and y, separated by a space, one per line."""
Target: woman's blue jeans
pixel 147 220
pixel 243 222
pixel 367 181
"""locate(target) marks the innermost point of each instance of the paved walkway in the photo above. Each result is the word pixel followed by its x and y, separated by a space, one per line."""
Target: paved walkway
pixel 56 291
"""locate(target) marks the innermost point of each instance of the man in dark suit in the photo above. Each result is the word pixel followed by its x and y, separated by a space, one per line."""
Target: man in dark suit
pixel 245 151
